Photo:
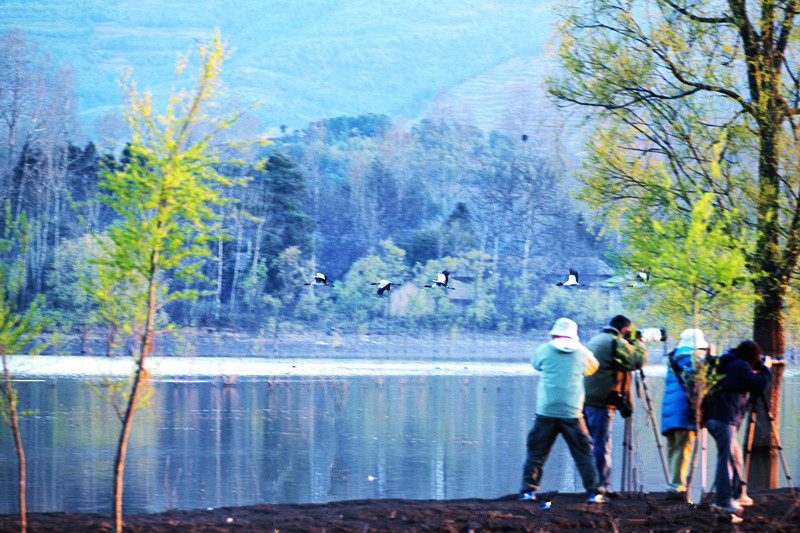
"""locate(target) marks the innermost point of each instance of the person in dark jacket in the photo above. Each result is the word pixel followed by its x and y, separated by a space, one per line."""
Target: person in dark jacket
pixel 618 356
pixel 744 373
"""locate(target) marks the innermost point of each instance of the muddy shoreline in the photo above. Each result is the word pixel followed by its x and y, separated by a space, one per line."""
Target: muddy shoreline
pixel 774 510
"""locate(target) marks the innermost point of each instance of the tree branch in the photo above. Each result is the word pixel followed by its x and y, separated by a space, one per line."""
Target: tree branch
pixel 709 20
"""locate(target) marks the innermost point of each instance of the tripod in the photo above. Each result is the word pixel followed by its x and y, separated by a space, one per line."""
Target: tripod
pixel 750 432
pixel 628 480
pixel 640 379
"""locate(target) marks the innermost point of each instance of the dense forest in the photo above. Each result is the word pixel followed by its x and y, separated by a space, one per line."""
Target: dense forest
pixel 360 199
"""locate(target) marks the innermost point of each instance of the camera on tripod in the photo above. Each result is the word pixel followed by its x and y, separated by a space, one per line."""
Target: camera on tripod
pixel 652 334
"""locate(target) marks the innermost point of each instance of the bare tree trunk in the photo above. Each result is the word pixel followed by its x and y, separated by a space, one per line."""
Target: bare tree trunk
pixel 218 301
pixel 141 374
pixel 764 464
pixel 84 339
pixel 526 251
pixel 58 203
pixel 111 336
pixel 256 258
pixel 237 264
pixel 39 252
pixel 496 253
pixel 13 420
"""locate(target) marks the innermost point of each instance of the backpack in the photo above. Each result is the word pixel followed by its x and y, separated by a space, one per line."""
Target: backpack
pixel 707 403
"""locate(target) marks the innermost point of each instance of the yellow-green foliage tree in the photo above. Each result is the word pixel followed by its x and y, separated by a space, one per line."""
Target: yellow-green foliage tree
pixel 696 267
pixel 18 328
pixel 664 81
pixel 165 199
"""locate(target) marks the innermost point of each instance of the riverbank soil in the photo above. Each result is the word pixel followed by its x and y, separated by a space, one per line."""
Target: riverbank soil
pixel 774 510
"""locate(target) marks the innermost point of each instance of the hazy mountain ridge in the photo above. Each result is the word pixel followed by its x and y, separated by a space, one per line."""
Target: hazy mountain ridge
pixel 303 61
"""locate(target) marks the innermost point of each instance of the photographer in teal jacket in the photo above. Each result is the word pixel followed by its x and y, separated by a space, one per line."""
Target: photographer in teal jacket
pixel 609 389
pixel 563 362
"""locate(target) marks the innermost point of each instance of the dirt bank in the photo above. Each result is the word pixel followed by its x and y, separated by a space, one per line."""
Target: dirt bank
pixel 774 510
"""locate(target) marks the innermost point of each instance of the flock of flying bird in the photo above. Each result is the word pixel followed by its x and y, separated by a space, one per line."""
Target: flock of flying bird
pixel 442 281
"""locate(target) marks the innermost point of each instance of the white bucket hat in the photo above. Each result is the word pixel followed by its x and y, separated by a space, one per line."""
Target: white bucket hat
pixel 564 327
pixel 692 338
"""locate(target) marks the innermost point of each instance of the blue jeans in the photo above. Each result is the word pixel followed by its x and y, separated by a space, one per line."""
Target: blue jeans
pixel 599 420
pixel 540 442
pixel 729 462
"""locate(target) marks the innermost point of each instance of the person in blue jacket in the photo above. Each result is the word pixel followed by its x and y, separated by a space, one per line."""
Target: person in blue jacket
pixel 744 373
pixel 678 422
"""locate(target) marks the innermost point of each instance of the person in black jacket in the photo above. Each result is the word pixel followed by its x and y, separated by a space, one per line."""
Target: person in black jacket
pixel 743 373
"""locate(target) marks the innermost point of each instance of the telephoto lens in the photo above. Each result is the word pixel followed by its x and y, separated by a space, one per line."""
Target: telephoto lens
pixel 653 334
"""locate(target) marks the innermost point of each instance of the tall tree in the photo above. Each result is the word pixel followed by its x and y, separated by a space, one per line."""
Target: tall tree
pixel 281 206
pixel 671 79
pixel 36 110
pixel 164 196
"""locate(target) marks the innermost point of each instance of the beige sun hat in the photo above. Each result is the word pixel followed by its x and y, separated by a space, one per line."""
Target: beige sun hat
pixel 564 327
pixel 693 338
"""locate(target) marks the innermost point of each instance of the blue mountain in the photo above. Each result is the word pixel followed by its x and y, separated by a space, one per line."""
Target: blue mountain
pixel 302 59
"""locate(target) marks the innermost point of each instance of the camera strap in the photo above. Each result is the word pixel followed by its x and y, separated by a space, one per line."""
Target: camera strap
pixel 624 381
pixel 620 369
pixel 676 369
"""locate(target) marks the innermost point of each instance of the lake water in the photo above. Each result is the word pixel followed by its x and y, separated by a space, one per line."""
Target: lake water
pixel 302 430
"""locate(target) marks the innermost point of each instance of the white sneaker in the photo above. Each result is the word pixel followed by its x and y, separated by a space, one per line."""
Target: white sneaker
pixel 732 508
pixel 744 500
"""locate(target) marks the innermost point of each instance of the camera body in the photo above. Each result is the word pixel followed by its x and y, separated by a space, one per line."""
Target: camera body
pixel 618 400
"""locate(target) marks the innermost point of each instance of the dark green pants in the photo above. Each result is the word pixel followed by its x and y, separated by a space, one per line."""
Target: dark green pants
pixel 540 441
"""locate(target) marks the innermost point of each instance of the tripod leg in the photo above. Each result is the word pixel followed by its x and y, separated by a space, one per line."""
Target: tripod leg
pixel 776 440
pixel 631 485
pixel 783 459
pixel 703 459
pixel 652 417
pixel 625 457
pixel 750 432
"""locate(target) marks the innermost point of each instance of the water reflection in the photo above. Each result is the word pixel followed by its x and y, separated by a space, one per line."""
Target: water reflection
pixel 300 439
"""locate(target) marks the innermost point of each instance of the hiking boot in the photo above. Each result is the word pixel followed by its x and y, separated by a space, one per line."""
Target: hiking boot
pixel 529 496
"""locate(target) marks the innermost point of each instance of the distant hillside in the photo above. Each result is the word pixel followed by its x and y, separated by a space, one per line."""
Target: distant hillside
pixel 303 60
